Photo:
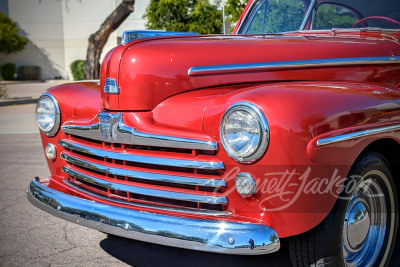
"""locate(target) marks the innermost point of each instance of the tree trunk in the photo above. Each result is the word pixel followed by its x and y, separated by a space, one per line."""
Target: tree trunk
pixel 99 38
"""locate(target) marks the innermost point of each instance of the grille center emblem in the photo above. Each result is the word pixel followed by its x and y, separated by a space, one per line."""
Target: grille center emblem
pixel 106 123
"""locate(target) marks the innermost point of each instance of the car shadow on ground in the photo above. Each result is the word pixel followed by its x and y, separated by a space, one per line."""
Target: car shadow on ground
pixel 139 254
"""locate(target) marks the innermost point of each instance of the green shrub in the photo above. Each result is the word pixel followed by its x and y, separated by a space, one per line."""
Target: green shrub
pixel 77 69
pixel 8 71
pixel 10 40
pixel 29 73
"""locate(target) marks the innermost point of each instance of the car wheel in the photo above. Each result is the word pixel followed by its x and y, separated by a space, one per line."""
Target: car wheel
pixel 362 226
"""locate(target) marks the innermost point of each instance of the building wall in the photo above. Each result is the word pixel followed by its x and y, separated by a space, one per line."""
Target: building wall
pixel 58 31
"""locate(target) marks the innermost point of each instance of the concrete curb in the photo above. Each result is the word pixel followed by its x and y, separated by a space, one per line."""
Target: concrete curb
pixel 17 101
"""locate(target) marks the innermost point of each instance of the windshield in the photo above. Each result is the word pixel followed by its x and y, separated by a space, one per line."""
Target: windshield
pixel 276 16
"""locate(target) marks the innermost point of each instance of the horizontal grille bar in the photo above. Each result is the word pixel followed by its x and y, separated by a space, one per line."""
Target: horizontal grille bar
pixel 115 131
pixel 144 175
pixel 180 163
pixel 151 206
pixel 206 199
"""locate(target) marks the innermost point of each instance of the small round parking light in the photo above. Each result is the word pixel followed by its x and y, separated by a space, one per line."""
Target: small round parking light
pixel 51 152
pixel 245 185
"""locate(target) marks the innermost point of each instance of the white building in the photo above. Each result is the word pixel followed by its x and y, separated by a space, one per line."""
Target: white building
pixel 58 31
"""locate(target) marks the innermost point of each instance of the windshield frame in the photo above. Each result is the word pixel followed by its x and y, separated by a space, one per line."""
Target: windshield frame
pixel 246 21
pixel 244 25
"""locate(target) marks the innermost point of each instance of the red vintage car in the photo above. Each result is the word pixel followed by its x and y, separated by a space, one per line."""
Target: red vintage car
pixel 289 128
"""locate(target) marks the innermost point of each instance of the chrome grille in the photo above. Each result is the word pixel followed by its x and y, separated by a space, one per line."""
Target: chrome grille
pixel 162 178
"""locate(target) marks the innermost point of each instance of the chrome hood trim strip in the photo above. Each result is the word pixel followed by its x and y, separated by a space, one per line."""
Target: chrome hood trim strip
pixel 180 163
pixel 297 64
pixel 185 180
pixel 206 199
pixel 115 131
pixel 355 135
pixel 205 235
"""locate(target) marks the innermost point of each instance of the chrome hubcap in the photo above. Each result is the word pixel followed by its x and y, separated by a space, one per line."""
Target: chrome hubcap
pixel 365 224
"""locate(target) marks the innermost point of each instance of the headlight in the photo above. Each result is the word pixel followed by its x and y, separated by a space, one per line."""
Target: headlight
pixel 48 114
pixel 244 132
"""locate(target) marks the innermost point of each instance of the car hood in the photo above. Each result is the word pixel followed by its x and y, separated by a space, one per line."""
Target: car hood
pixel 148 71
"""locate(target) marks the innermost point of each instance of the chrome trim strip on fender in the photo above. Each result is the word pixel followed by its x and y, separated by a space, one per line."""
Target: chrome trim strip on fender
pixel 207 199
pixel 354 135
pixel 216 236
pixel 112 129
pixel 270 66
pixel 186 180
pixel 151 206
pixel 181 163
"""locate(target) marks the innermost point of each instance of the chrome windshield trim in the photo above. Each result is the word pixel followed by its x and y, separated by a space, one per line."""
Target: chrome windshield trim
pixel 270 66
pixel 307 16
pixel 115 131
pixel 206 199
pixel 150 206
pixel 211 235
pixel 248 13
pixel 355 135
pixel 186 180
pixel 180 163
pixel 347 30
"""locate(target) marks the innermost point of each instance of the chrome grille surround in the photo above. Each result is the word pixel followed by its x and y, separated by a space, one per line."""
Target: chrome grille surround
pixel 111 128
pixel 134 174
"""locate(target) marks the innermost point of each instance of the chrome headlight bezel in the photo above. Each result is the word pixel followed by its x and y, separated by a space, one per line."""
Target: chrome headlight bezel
pixel 263 127
pixel 57 115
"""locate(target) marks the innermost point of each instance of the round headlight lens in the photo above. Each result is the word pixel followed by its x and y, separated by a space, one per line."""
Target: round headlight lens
pixel 244 132
pixel 47 115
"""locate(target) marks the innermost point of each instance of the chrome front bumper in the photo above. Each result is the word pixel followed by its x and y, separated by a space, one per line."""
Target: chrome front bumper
pixel 205 235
